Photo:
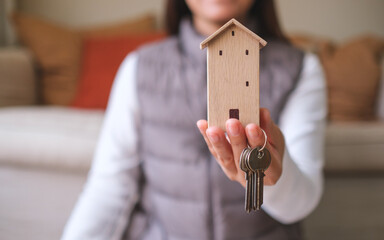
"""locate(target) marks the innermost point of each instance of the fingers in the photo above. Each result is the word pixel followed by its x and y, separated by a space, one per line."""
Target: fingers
pixel 275 145
pixel 236 134
pixel 227 153
pixel 219 147
pixel 223 150
pixel 203 126
pixel 255 135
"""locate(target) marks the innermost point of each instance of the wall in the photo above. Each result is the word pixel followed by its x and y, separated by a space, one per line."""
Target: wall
pixel 6 34
pixel 81 13
pixel 334 19
pixel 2 23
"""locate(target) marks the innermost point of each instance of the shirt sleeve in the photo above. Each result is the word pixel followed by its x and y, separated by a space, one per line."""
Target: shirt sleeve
pixel 111 191
pixel 303 121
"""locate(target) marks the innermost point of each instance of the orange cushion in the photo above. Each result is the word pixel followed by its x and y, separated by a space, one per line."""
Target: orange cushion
pixel 101 60
pixel 58 50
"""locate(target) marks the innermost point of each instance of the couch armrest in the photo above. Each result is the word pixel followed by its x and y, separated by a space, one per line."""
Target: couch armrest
pixel 355 147
pixel 17 77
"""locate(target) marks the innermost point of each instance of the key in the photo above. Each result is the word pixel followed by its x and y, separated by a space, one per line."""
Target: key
pixel 247 185
pixel 248 194
pixel 258 197
pixel 251 192
pixel 257 162
pixel 252 179
pixel 254 189
pixel 242 165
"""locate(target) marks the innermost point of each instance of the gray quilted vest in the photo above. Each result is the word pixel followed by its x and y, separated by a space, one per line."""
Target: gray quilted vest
pixel 185 194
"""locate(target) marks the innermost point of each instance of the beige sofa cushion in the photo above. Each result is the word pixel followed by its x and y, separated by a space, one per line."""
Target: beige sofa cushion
pixel 58 53
pixel 357 146
pixel 353 76
pixel 352 72
pixel 49 137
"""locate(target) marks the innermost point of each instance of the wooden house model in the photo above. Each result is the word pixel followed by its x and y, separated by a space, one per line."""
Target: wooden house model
pixel 233 74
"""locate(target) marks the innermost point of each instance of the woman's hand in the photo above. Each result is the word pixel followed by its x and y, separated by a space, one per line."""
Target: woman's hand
pixel 228 154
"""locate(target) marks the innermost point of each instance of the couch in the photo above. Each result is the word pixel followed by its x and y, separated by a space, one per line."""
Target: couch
pixel 46 151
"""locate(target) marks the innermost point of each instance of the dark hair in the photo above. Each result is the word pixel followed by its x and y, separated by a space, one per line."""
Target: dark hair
pixel 263 11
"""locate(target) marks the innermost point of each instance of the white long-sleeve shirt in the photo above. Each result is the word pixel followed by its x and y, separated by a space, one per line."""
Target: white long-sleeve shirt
pixel 111 191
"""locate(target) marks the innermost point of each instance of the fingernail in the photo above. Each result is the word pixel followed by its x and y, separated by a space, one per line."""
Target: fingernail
pixel 253 131
pixel 214 138
pixel 233 129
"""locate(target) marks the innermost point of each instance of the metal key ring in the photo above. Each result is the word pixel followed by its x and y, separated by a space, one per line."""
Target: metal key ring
pixel 265 141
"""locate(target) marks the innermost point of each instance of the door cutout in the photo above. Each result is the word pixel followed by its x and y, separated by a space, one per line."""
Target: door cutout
pixel 234 113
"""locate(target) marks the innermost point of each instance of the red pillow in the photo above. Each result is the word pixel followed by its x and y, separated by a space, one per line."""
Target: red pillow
pixel 101 60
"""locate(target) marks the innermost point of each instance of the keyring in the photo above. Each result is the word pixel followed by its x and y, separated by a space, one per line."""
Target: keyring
pixel 265 141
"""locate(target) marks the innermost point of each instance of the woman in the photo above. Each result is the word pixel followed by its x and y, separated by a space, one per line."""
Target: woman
pixel 153 176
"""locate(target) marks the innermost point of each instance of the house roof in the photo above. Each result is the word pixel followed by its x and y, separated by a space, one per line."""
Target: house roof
pixel 231 22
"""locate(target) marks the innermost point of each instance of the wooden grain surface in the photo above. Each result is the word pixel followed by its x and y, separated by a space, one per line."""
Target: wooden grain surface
pixel 228 75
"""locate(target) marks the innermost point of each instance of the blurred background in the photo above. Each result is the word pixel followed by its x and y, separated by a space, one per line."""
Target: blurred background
pixel 57 63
